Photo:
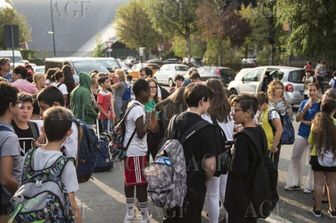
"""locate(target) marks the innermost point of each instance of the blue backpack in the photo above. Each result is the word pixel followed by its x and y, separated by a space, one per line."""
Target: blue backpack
pixel 87 151
pixel 288 133
pixel 127 93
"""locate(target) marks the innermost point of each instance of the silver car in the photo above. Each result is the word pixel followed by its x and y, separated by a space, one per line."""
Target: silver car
pixel 251 80
pixel 167 73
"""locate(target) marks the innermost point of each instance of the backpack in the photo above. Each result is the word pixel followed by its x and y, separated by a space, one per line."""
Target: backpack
pixel 224 154
pixel 167 175
pixel 127 94
pixel 87 151
pixel 327 158
pixel 41 196
pixel 288 133
pixel 264 195
pixel 334 85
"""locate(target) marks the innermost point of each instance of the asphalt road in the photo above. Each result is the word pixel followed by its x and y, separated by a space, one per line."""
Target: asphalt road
pixel 102 200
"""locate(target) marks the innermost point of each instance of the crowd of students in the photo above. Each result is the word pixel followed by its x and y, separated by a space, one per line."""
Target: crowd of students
pixel 107 97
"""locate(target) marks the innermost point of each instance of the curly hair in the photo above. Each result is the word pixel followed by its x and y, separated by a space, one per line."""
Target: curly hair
pixel 219 107
pixel 272 86
pixel 324 127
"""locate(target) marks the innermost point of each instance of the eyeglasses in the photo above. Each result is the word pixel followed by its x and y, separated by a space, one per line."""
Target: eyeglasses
pixel 236 110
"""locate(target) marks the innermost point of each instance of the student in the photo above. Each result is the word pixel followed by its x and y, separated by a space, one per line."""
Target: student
pixel 199 151
pixel 178 80
pixel 28 132
pixel 307 111
pixel 20 73
pixel 58 78
pixel 57 122
pixel 271 124
pixel 104 104
pixel 322 139
pixel 136 136
pixel 10 162
pixel 332 82
pixel 244 160
pixel 195 77
pixel 50 97
pixel 219 110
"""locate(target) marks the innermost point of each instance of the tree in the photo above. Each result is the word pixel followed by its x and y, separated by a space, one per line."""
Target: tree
pixel 9 16
pixel 134 27
pixel 174 18
pixel 312 27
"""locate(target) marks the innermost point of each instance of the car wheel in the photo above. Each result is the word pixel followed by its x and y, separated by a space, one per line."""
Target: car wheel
pixel 170 82
pixel 233 92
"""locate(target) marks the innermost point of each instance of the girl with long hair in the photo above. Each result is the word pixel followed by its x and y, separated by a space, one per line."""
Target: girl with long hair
pixel 219 110
pixel 307 111
pixel 322 139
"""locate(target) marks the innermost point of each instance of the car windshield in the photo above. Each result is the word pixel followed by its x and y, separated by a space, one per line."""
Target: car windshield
pixel 181 68
pixel 296 76
pixel 109 63
pixel 88 66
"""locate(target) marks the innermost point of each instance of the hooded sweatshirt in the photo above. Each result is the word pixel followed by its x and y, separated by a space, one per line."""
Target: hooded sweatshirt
pixel 82 104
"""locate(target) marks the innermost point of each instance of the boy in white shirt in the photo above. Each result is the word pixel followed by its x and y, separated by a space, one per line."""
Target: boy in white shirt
pixel 135 142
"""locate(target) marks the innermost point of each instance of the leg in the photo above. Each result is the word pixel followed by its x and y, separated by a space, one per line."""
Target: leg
pixel 129 193
pixel 212 196
pixel 141 193
pixel 331 185
pixel 294 169
pixel 222 189
pixel 318 189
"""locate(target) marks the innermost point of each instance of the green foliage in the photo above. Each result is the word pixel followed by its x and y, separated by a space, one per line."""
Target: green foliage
pixel 198 47
pixel 10 16
pixel 312 26
pixel 134 27
pixel 99 50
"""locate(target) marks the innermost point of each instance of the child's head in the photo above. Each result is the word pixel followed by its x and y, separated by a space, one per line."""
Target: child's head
pixel 104 82
pixel 49 97
pixel 198 95
pixel 8 99
pixel 129 78
pixel 178 80
pixel 244 109
pixel 195 77
pixel 20 72
pixel 141 90
pixel 58 76
pixel 262 101
pixel 313 90
pixel 26 107
pixel 57 123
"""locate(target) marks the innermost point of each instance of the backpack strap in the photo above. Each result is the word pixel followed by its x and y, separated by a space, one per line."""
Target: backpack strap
pixel 201 124
pixel 34 129
pixel 5 129
pixel 270 110
pixel 251 138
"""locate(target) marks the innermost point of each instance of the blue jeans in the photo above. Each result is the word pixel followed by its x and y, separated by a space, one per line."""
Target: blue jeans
pixel 106 125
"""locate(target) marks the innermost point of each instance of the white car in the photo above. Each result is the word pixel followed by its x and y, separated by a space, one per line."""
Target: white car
pixel 167 73
pixel 253 80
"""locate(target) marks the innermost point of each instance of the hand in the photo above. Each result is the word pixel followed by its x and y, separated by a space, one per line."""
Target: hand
pixel 308 105
pixel 274 149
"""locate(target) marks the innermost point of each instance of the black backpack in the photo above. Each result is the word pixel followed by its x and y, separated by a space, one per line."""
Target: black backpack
pixel 87 151
pixel 223 149
pixel 264 195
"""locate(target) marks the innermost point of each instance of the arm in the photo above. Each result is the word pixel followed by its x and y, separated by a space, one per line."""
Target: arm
pixel 141 127
pixel 209 167
pixel 74 207
pixel 65 99
pixel 277 136
pixel 300 115
pixel 6 175
pixel 102 110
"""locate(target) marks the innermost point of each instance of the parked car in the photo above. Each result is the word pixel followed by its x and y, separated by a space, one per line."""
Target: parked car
pixel 250 80
pixel 224 74
pixel 39 69
pixel 135 70
pixel 167 73
pixel 130 60
pixel 80 64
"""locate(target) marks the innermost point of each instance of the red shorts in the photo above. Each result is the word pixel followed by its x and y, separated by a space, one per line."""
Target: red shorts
pixel 134 170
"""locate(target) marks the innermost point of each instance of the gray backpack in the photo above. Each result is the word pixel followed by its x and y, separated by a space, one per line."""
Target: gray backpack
pixel 167 175
pixel 41 196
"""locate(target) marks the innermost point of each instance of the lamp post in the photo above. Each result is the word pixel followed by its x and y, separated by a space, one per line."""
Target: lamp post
pixel 269 14
pixel 52 32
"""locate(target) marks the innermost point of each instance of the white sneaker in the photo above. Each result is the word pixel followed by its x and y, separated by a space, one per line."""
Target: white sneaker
pixel 131 218
pixel 148 220
pixel 307 191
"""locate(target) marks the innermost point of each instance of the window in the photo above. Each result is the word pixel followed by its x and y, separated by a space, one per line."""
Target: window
pixel 253 75
pixel 296 76
pixel 181 68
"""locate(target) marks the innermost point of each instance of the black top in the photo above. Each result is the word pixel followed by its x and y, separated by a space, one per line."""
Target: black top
pixel 200 145
pixel 242 170
pixel 25 145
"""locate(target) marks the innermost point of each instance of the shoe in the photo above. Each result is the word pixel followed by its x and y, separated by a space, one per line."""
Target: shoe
pixel 307 191
pixel 291 188
pixel 332 214
pixel 316 213
pixel 148 220
pixel 131 218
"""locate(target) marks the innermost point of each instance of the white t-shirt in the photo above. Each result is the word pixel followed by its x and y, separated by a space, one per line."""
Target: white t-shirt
pixel 227 127
pixel 137 147
pixel 274 115
pixel 45 158
pixel 61 87
pixel 332 82
pixel 71 142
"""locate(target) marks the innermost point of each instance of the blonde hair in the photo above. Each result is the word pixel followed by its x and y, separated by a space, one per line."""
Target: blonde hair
pixel 121 74
pixel 37 77
pixel 272 86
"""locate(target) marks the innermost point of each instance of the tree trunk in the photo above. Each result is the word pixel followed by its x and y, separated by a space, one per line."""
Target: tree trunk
pixel 188 42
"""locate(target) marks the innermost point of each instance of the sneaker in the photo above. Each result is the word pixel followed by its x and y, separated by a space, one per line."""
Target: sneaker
pixel 332 214
pixel 316 213
pixel 148 220
pixel 291 188
pixel 307 191
pixel 131 218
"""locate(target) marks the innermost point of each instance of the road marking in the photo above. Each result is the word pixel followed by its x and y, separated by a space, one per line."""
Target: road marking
pixel 111 192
